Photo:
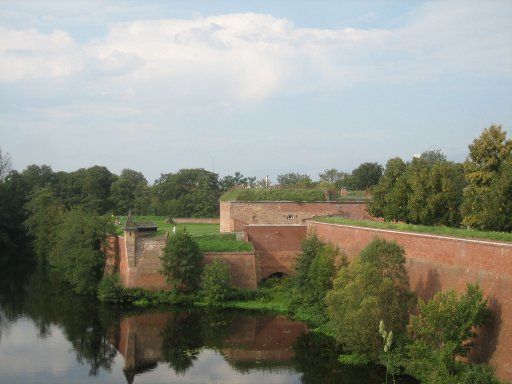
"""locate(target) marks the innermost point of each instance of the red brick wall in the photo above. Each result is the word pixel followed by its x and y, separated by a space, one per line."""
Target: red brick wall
pixel 145 273
pixel 439 263
pixel 235 215
pixel 276 246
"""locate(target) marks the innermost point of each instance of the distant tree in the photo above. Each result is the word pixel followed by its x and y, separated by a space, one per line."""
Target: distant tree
pixel 45 213
pixel 38 176
pixel 390 195
pixel 215 282
pixel 130 186
pixel 5 164
pixel 76 255
pixel 367 175
pixel 433 156
pixel 332 176
pixel 372 288
pixel 187 193
pixel 294 179
pixel 96 185
pixel 181 261
pixel 487 153
pixel 237 180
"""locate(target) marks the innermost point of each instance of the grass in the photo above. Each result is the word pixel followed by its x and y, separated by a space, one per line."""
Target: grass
pixel 208 236
pixel 286 194
pixel 434 230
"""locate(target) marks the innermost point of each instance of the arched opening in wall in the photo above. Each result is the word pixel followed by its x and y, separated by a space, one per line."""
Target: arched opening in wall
pixel 272 277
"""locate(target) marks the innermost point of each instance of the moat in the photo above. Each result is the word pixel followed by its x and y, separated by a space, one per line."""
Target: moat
pixel 50 335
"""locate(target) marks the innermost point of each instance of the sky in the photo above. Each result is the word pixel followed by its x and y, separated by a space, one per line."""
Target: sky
pixel 260 87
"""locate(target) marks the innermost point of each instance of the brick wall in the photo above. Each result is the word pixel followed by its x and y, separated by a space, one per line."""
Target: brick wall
pixel 143 269
pixel 440 263
pixel 276 246
pixel 234 215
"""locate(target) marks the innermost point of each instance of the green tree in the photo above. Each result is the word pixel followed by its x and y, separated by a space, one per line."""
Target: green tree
pixel 44 215
pixel 181 261
pixel 130 188
pixel 215 282
pixel 237 180
pixel 76 255
pixel 311 246
pixel 365 176
pixel 487 153
pixel 497 202
pixel 332 176
pixel 432 157
pixel 5 165
pixel 294 179
pixel 391 194
pixel 372 288
pixel 442 331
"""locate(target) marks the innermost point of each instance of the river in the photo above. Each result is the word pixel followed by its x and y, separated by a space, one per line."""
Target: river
pixel 50 335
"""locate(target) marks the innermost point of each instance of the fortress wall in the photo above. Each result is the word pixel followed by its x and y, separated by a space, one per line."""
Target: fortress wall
pixel 234 215
pixel 276 246
pixel 439 263
pixel 144 270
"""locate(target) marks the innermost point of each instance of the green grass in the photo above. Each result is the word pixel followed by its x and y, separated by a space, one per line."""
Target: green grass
pixel 208 236
pixel 434 230
pixel 286 194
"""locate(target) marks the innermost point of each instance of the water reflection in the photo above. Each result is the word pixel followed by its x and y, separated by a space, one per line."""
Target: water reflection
pixel 41 321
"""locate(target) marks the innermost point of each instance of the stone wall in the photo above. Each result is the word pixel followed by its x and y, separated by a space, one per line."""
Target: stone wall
pixel 440 263
pixel 234 215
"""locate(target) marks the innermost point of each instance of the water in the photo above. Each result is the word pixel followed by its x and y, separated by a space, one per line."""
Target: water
pixel 50 335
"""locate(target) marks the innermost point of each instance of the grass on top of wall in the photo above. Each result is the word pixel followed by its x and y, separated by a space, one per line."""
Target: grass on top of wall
pixel 433 230
pixel 208 236
pixel 286 194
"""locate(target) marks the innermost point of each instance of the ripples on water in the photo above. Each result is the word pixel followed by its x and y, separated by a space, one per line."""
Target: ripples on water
pixel 49 335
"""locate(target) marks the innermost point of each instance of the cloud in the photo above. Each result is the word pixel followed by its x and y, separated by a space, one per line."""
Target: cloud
pixel 249 57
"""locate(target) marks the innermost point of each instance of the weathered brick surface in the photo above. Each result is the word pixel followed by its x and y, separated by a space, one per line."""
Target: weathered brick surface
pixel 235 215
pixel 276 246
pixel 111 252
pixel 243 267
pixel 439 263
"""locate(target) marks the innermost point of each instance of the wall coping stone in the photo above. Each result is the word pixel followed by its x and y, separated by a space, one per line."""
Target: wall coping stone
pixel 361 201
pixel 418 234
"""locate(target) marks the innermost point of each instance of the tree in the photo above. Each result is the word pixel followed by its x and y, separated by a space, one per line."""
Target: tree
pixel 237 180
pixel 487 153
pixel 96 185
pixel 294 179
pixel 366 176
pixel 129 188
pixel 77 255
pixel 187 193
pixel 442 331
pixel 372 288
pixel 44 215
pixel 5 165
pixel 181 261
pixel 215 282
pixel 432 157
pixel 390 195
pixel 332 176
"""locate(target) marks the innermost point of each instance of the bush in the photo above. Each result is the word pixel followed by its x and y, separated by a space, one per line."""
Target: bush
pixel 181 261
pixel 372 288
pixel 111 290
pixel 215 282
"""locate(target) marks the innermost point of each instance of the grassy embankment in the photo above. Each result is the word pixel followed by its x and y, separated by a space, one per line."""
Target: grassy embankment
pixel 207 235
pixel 287 194
pixel 432 230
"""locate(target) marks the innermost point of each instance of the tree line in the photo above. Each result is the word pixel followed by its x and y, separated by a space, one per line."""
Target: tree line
pixel 430 190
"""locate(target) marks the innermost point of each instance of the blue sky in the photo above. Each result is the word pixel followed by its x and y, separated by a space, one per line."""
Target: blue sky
pixel 261 87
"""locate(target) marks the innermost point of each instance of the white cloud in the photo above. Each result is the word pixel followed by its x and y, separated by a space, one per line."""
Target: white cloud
pixel 250 57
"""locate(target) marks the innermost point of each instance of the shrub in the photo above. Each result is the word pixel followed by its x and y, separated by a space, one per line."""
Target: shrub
pixel 441 331
pixel 111 290
pixel 372 288
pixel 181 261
pixel 215 282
